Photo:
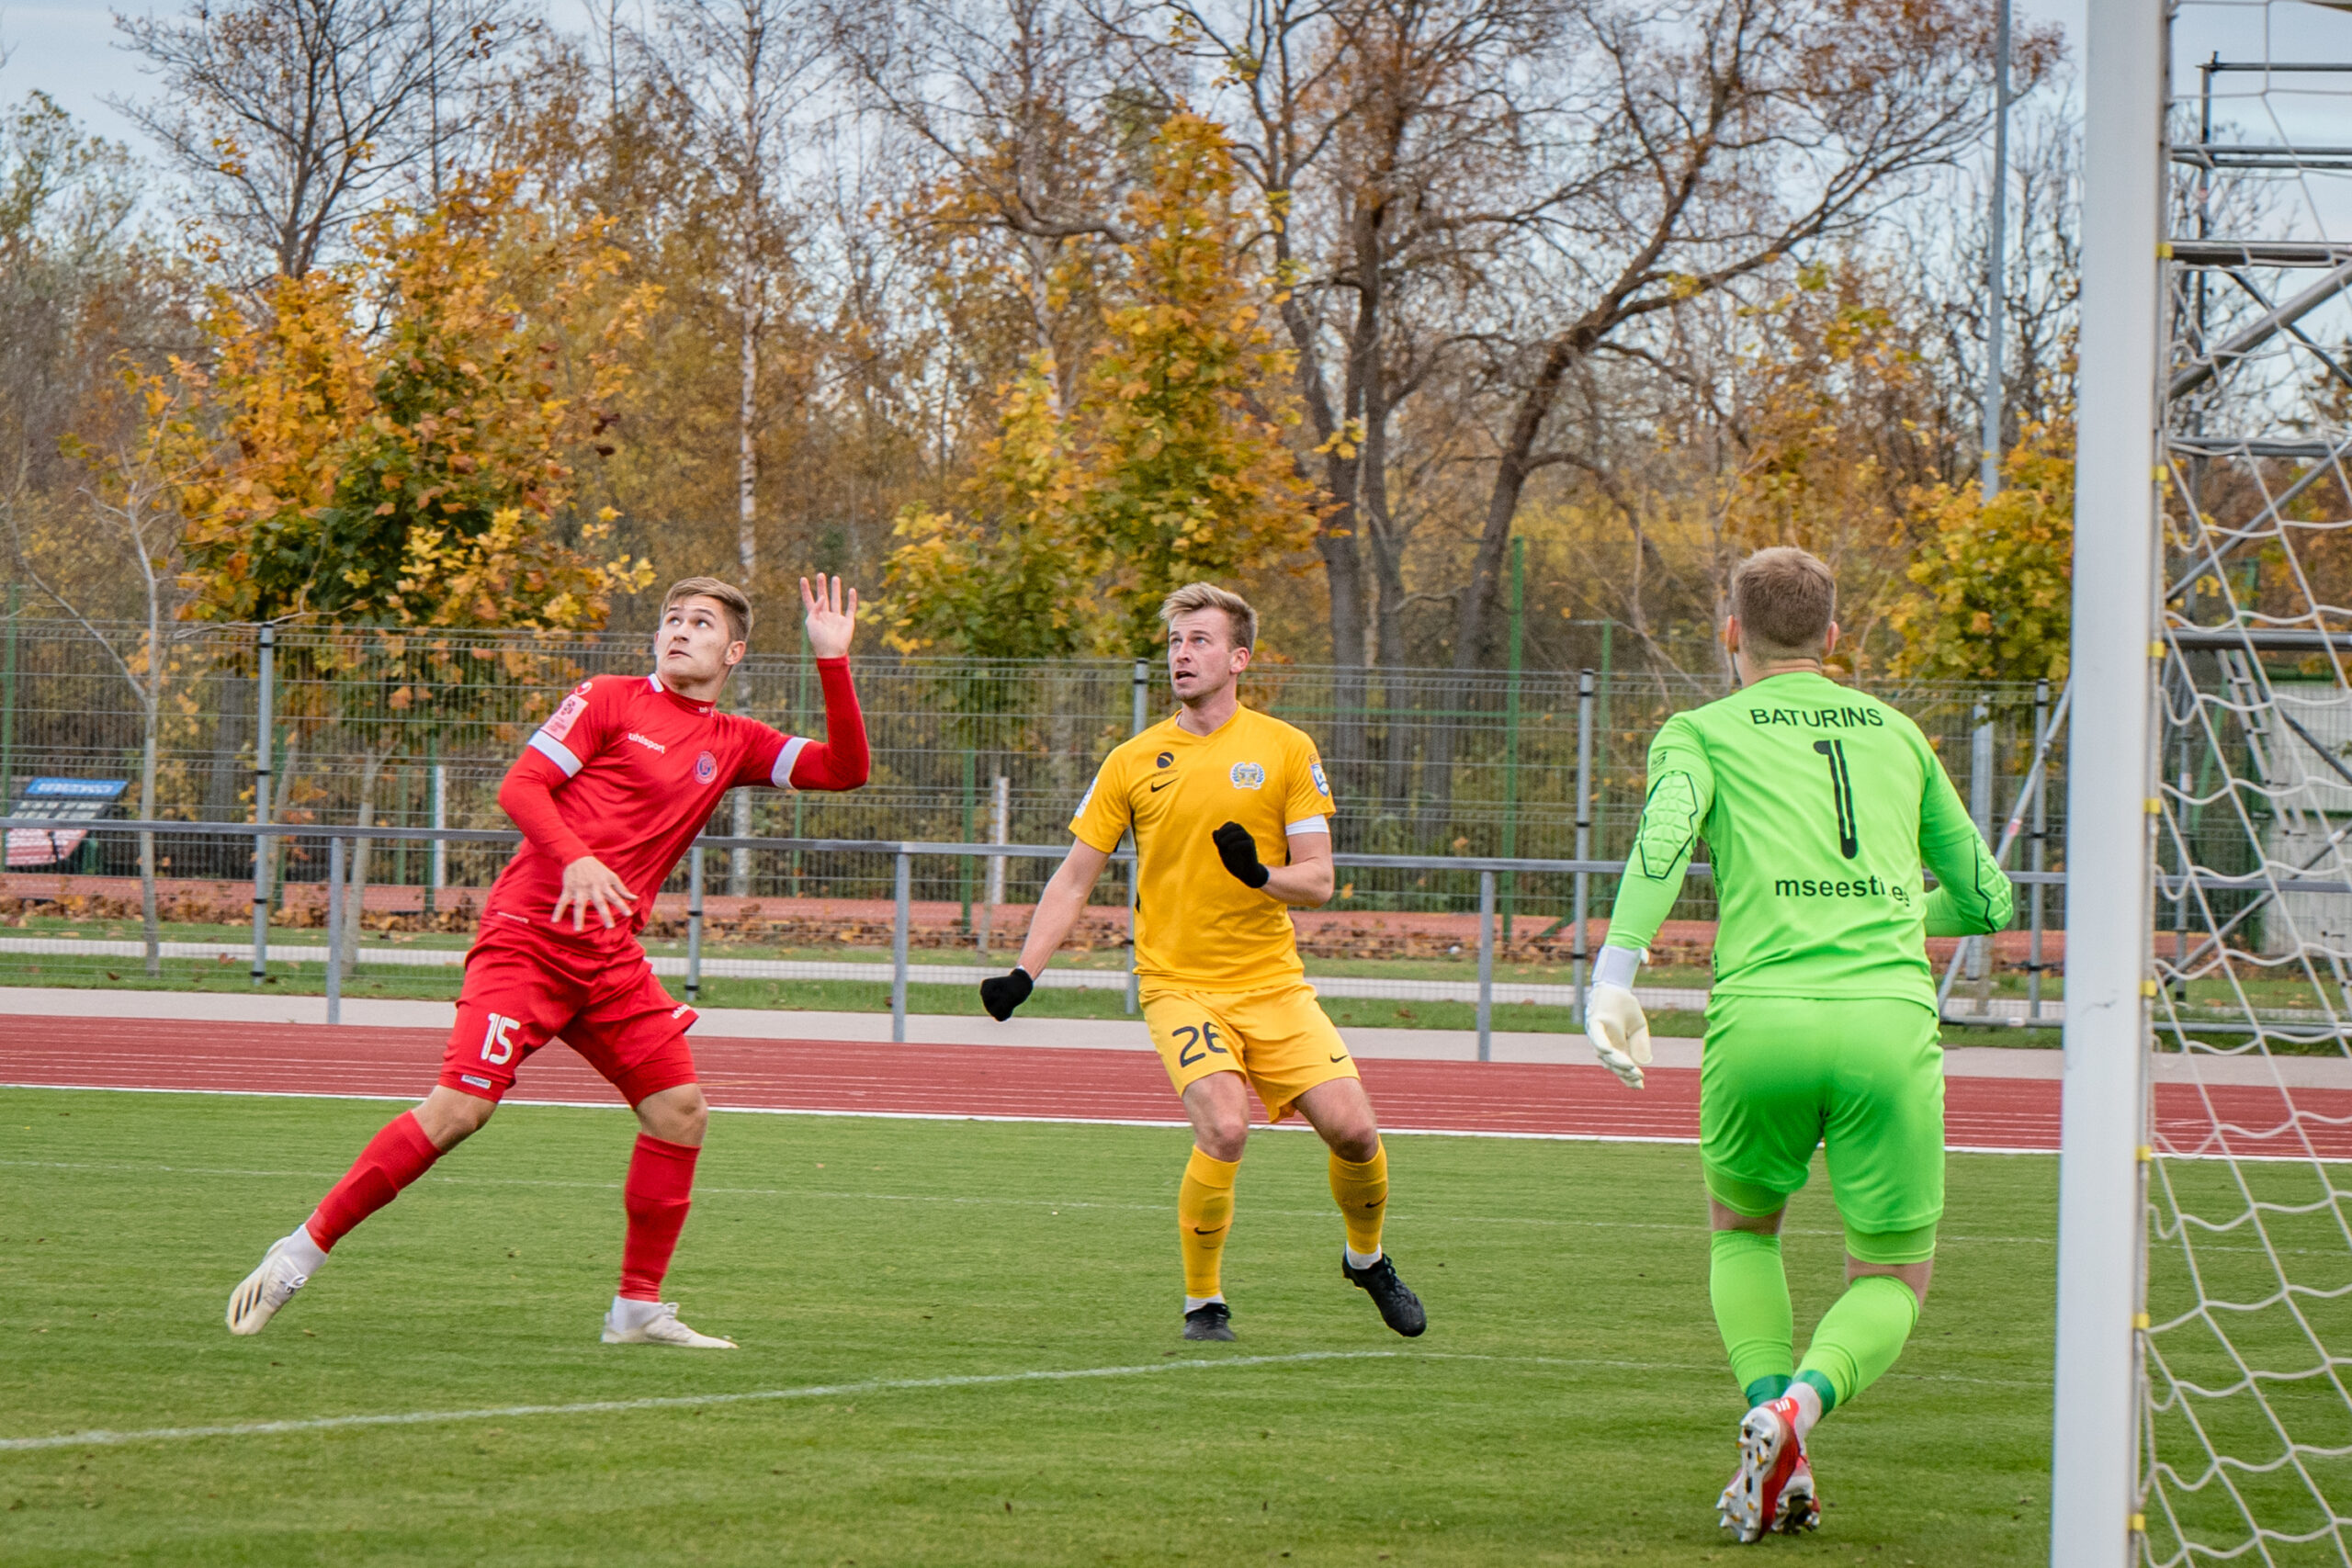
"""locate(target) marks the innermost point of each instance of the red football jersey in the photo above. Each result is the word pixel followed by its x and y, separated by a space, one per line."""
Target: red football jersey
pixel 641 770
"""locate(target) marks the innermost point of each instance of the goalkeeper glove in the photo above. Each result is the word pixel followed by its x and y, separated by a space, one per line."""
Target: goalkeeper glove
pixel 1239 851
pixel 1001 993
pixel 1613 1021
pixel 1620 1033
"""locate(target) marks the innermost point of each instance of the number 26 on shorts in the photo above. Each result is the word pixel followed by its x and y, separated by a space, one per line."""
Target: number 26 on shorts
pixel 497 1041
pixel 1197 1043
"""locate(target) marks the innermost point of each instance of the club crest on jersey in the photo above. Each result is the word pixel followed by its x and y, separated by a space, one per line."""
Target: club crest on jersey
pixel 1248 775
pixel 1322 784
pixel 705 768
pixel 1165 760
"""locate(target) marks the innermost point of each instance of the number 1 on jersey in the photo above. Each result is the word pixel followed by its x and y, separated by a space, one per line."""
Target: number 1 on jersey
pixel 1841 795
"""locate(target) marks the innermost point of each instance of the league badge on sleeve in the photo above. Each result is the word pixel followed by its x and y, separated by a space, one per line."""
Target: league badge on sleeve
pixel 1248 775
pixel 1322 784
pixel 560 722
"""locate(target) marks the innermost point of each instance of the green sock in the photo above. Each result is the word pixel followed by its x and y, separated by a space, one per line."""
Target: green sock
pixel 1858 1337
pixel 1751 1297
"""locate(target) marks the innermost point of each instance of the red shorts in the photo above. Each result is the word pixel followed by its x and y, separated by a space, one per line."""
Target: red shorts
pixel 522 991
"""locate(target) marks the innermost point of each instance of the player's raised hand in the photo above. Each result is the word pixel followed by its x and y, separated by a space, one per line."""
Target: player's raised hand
pixel 832 619
pixel 589 883
pixel 1620 1032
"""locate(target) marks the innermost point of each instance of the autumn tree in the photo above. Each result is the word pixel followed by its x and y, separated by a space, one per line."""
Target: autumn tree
pixel 1186 475
pixel 1170 467
pixel 1005 573
pixel 1993 586
pixel 414 479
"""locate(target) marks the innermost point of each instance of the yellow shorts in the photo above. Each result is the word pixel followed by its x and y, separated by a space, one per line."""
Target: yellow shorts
pixel 1280 1039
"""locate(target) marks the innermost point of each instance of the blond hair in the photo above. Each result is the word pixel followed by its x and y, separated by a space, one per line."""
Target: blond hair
pixel 738 603
pixel 1784 599
pixel 1209 596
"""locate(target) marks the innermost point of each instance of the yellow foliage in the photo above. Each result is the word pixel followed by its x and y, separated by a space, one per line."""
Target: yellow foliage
pixel 380 443
pixel 1993 589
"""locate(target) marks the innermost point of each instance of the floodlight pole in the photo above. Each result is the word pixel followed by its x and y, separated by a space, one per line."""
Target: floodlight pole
pixel 1996 264
pixel 2109 790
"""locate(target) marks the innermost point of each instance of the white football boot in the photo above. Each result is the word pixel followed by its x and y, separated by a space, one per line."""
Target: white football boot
pixel 655 1323
pixel 1769 1458
pixel 270 1286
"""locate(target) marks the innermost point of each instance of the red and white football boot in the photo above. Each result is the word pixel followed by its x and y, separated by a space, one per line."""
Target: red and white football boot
pixel 1770 1456
pixel 1800 1508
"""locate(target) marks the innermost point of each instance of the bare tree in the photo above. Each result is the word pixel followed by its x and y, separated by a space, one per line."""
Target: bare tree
pixel 1009 101
pixel 751 69
pixel 1745 130
pixel 130 500
pixel 288 115
pixel 2043 279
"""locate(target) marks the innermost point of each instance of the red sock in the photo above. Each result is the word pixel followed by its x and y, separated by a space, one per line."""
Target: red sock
pixel 393 1159
pixel 657 1194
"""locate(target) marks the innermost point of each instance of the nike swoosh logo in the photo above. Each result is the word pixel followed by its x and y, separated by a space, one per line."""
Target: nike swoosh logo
pixel 1340 1057
pixel 1161 784
pixel 1198 1231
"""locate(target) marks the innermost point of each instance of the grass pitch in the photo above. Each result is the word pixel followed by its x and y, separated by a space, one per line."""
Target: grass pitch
pixel 1568 1404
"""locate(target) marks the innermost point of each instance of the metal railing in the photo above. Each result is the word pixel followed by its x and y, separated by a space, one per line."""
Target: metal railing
pixel 418 732
pixel 1487 869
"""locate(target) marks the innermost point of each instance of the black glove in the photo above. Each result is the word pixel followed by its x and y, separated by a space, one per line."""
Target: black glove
pixel 1001 993
pixel 1239 851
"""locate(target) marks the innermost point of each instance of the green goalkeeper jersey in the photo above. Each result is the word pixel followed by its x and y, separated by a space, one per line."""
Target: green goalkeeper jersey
pixel 1819 806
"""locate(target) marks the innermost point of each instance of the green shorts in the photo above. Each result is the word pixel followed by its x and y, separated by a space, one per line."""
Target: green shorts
pixel 1782 1076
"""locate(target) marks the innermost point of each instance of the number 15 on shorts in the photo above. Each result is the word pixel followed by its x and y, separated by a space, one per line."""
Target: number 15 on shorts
pixel 497 1040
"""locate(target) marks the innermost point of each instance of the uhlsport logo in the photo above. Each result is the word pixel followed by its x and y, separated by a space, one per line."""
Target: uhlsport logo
pixel 1248 775
pixel 705 768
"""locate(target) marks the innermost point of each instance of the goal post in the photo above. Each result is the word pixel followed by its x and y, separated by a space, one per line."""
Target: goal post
pixel 2111 781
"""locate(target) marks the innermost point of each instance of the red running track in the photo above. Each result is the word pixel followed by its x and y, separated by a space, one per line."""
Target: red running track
pixel 1030 1083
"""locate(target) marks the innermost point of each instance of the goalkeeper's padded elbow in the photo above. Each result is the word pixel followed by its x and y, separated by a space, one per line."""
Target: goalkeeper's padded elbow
pixel 1620 1032
pixel 1001 993
pixel 1239 851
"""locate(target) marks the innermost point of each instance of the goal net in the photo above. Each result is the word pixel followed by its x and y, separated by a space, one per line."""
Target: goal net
pixel 2245 1440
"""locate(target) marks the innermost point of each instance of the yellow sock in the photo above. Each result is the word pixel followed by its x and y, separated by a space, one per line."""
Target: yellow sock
pixel 1362 1194
pixel 1204 1219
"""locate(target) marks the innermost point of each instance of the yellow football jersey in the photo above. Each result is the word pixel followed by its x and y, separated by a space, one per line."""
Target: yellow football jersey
pixel 1196 924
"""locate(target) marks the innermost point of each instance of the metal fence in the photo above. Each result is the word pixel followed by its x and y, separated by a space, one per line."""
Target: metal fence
pixel 418 731
pixel 1488 874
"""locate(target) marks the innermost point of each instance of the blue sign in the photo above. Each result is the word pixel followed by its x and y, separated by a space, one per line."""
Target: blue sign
pixel 75 789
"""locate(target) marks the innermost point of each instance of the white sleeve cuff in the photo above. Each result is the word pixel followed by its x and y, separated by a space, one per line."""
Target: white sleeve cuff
pixel 1309 825
pixel 1617 966
pixel 555 752
pixel 781 776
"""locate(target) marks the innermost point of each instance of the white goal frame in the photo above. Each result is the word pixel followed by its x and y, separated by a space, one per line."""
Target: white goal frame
pixel 2111 790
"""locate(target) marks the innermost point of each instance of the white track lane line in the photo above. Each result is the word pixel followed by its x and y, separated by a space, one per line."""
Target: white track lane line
pixel 672 1402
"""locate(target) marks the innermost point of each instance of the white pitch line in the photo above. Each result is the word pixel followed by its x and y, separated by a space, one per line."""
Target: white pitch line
pixel 672 1401
pixel 878 1385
